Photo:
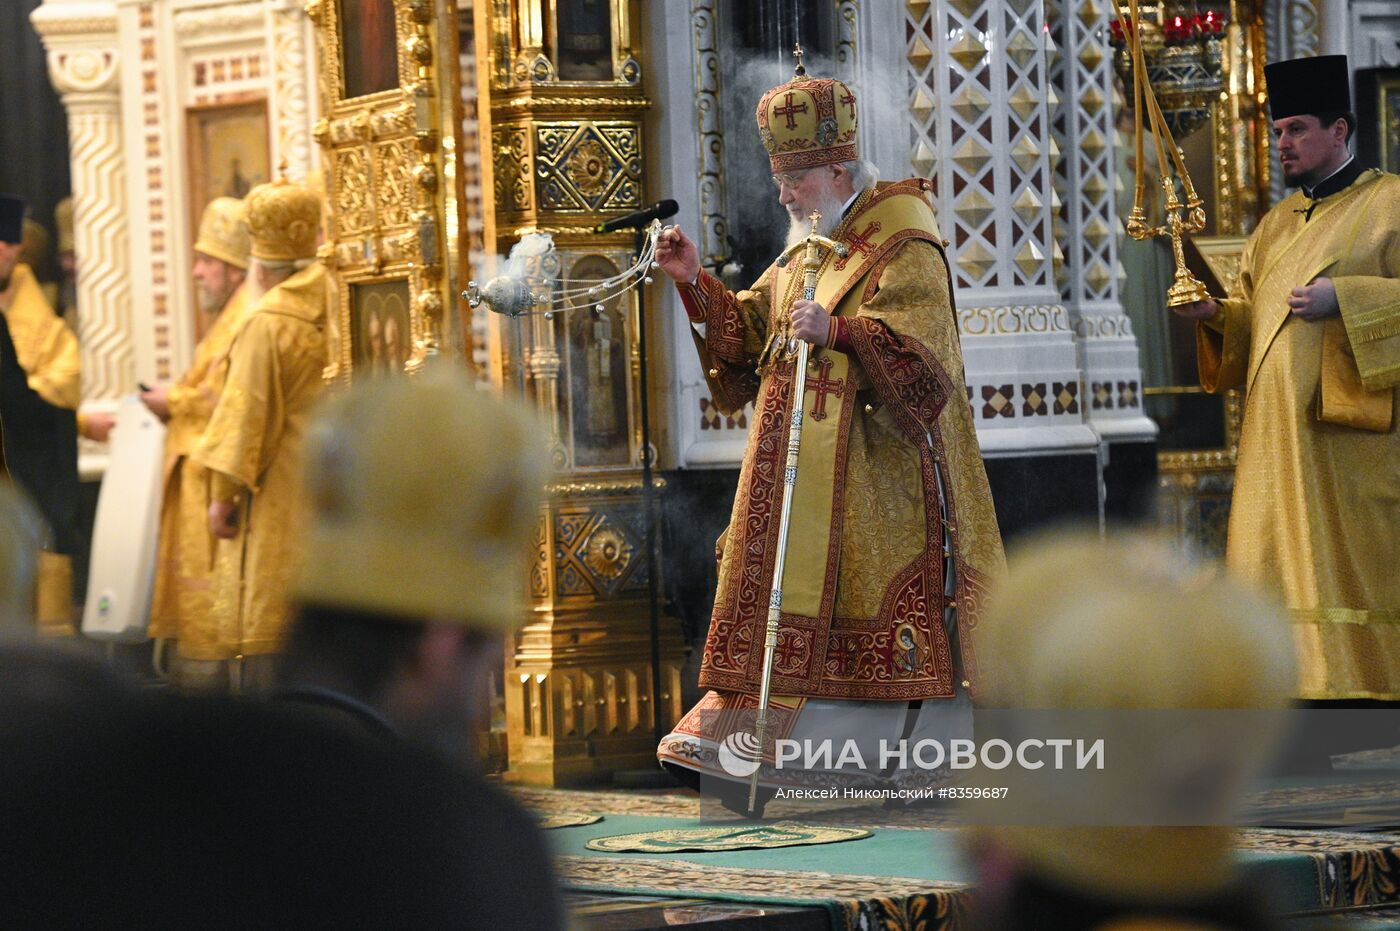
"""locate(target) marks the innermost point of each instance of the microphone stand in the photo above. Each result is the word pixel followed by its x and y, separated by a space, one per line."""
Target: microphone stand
pixel 649 501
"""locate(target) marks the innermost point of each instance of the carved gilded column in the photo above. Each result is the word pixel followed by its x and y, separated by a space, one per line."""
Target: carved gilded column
pixel 81 41
pixel 567 152
pixel 1085 219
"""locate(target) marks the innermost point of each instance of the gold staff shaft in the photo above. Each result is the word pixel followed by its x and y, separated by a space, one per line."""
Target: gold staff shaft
pixel 811 266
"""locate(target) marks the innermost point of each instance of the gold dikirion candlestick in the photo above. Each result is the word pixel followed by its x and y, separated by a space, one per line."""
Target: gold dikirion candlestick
pixel 1181 219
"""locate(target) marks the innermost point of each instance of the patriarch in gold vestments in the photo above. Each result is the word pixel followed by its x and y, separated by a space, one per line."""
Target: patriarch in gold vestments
pixel 183 598
pixel 1312 334
pixel 39 393
pixel 893 539
pixel 252 445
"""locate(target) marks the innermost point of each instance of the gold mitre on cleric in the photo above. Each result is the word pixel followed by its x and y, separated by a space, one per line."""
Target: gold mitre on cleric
pixel 441 533
pixel 223 234
pixel 283 219
pixel 808 122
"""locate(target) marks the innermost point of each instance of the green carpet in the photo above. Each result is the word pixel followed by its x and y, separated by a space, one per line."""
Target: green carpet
pixel 917 878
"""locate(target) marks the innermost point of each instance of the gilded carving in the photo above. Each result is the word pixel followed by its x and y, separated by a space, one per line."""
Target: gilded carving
pixel 511 160
pixel 588 167
pixel 386 154
pixel 394 191
pixel 566 154
pixel 608 553
pixel 351 129
pixel 351 174
pixel 539 566
pixel 605 156
pixel 396 121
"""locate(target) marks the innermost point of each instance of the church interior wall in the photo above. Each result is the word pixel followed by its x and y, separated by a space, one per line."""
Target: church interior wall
pixel 1060 440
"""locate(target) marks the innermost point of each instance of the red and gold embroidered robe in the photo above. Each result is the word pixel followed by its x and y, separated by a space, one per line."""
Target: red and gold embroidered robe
pixel 890 461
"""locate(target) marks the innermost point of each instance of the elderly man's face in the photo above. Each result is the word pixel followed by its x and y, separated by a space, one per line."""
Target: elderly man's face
pixel 801 192
pixel 824 189
pixel 215 280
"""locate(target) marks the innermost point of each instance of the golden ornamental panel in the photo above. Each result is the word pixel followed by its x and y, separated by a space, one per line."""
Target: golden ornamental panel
pixel 511 160
pixel 588 167
pixel 388 82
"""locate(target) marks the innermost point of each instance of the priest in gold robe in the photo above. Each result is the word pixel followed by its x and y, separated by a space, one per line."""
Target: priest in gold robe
pixel 252 445
pixel 39 393
pixel 183 599
pixel 893 541
pixel 1312 334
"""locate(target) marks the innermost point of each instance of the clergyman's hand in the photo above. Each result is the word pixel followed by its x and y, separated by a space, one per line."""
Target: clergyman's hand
pixel 1197 310
pixel 811 322
pixel 677 256
pixel 97 426
pixel 157 400
pixel 1316 300
pixel 223 519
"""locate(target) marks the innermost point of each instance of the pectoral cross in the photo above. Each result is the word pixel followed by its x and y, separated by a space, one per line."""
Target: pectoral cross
pixel 823 384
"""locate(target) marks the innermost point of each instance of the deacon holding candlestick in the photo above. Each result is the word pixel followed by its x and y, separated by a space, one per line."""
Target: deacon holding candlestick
pixel 1312 334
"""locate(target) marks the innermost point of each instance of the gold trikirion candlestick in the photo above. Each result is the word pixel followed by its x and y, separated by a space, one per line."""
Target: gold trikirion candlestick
pixel 1185 288
pixel 1180 219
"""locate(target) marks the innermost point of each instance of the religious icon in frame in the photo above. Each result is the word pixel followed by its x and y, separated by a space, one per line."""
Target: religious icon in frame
pixel 368 47
pixel 380 326
pixel 228 153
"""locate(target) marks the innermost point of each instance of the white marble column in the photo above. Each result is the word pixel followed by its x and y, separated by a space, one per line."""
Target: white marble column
pixel 1086 221
pixel 85 67
pixel 292 101
pixel 978 118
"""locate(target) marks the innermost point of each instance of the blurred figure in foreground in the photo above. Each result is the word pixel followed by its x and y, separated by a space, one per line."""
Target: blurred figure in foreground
pixel 134 809
pixel 1127 625
pixel 39 391
pixel 130 808
pixel 422 496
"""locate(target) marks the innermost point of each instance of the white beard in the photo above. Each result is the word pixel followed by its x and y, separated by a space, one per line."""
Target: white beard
pixel 799 227
pixel 212 302
pixel 255 290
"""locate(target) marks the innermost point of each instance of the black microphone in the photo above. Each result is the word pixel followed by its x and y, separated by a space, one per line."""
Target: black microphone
pixel 639 218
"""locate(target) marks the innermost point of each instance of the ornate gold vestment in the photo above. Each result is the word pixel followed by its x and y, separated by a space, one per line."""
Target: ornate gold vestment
pixel 183 599
pixel 46 347
pixel 254 444
pixel 1316 510
pixel 889 461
